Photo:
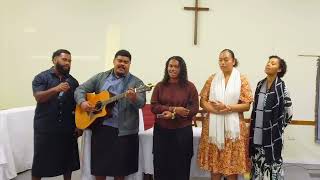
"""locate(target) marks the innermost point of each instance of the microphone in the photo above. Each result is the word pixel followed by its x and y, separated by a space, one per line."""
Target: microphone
pixel 62 92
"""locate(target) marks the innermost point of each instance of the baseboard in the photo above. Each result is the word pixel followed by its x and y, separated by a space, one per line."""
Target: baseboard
pixel 308 162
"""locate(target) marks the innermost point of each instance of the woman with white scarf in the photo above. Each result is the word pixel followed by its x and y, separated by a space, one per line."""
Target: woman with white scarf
pixel 223 148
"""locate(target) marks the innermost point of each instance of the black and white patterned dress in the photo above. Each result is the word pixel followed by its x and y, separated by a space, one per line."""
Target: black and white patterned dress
pixel 272 111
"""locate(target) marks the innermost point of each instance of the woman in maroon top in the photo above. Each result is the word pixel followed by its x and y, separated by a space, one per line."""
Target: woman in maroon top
pixel 174 101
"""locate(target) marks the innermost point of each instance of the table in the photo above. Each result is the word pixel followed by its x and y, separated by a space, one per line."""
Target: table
pixel 16 141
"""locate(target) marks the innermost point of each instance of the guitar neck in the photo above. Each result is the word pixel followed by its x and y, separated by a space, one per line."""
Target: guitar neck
pixel 122 95
pixel 114 98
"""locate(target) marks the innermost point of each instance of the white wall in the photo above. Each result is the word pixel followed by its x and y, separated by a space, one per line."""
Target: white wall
pixel 155 30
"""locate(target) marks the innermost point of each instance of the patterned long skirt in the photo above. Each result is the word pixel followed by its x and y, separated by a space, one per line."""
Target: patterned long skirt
pixel 233 159
pixel 261 170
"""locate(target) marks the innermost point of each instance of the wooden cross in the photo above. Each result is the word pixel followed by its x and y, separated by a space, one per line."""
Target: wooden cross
pixel 196 9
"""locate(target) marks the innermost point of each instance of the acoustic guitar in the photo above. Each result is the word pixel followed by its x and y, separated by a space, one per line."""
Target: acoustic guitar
pixel 100 102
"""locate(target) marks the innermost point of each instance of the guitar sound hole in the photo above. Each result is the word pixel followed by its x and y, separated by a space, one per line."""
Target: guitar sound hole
pixel 98 107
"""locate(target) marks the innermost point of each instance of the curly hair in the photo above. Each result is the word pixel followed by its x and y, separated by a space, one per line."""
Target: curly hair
pixel 183 75
pixel 282 65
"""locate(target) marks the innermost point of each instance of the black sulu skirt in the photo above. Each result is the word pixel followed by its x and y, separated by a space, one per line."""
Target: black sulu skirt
pixel 54 154
pixel 113 155
pixel 172 153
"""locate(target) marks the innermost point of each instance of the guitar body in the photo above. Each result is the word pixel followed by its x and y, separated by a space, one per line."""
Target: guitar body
pixel 101 102
pixel 85 119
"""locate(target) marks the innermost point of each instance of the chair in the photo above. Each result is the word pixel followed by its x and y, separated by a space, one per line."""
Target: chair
pixel 148 117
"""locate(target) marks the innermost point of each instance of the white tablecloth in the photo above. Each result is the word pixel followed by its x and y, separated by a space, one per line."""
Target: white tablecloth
pixel 16 141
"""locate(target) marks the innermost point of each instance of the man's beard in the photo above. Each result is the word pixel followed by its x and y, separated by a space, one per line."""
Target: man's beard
pixel 120 74
pixel 61 70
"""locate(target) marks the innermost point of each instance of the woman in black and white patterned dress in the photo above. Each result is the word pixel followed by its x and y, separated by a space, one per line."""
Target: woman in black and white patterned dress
pixel 271 113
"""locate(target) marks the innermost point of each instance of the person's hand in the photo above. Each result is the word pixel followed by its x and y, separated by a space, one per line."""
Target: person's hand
pixel 131 94
pixel 167 115
pixel 227 109
pixel 217 105
pixel 86 106
pixel 181 111
pixel 62 87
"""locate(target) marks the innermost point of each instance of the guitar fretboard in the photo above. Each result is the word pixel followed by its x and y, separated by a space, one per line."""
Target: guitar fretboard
pixel 122 95
pixel 114 98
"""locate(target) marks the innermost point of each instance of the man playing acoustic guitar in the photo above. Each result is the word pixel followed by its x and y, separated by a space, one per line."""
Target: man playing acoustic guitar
pixel 114 141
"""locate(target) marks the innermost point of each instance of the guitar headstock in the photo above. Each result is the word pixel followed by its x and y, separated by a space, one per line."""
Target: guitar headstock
pixel 144 88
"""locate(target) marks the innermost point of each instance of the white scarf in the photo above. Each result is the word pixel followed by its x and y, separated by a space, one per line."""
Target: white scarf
pixel 221 124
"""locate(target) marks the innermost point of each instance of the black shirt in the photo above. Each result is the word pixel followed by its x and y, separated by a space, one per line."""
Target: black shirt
pixel 56 114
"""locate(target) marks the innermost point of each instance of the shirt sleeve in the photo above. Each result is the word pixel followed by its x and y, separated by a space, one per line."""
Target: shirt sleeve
pixel 193 104
pixel 87 87
pixel 39 83
pixel 204 94
pixel 156 107
pixel 245 92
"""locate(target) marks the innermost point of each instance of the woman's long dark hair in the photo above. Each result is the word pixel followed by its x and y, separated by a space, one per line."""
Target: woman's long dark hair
pixel 183 75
